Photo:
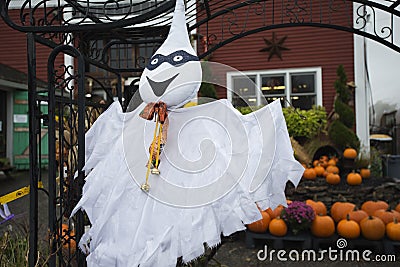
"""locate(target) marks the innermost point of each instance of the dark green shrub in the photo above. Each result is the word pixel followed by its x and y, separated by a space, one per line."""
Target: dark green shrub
pixel 346 114
pixel 340 130
pixel 342 136
pixel 342 90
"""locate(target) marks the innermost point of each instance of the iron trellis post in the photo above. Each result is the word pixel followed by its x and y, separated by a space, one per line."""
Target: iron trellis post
pixel 33 158
pixel 80 77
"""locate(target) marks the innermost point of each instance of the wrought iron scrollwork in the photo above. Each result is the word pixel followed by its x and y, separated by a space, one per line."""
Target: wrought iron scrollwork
pixel 80 15
pixel 226 24
pixel 71 114
pixel 368 15
pixel 296 11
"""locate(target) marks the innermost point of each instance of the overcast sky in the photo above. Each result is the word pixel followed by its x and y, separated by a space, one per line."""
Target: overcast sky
pixel 384 69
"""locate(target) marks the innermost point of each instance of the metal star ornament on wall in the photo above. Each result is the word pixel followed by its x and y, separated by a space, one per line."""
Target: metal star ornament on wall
pixel 274 46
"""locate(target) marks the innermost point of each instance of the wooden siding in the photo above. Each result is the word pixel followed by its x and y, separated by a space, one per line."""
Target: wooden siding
pixel 13 50
pixel 309 47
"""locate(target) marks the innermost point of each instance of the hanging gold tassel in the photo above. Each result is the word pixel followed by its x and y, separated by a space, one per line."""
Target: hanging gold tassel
pixel 159 111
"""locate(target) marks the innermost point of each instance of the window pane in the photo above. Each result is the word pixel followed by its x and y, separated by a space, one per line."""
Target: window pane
pixel 303 102
pixel 273 85
pixel 244 91
pixel 244 86
pixel 303 83
pixel 272 99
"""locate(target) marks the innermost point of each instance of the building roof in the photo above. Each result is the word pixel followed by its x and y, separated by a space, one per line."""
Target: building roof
pixel 16 79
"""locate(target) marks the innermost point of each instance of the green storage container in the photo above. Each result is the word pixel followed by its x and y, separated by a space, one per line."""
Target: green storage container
pixel 21 133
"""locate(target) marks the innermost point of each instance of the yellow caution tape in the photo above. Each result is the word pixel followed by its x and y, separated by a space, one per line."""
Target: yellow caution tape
pixel 17 194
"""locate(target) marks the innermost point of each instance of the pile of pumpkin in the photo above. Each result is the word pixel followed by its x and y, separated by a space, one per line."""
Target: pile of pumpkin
pixel 327 167
pixel 372 221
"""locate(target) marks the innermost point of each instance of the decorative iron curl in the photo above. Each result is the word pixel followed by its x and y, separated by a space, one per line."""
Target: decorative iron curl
pixel 94 52
pixel 60 37
pixel 140 62
pixel 62 80
pixel 335 5
pixel 296 11
pixel 367 13
pixel 117 5
pixel 258 8
pixel 231 17
pixel 362 17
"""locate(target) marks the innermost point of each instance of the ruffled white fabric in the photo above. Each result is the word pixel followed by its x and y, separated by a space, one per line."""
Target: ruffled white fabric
pixel 131 227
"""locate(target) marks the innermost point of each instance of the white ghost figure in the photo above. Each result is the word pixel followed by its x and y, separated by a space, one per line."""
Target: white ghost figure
pixel 216 169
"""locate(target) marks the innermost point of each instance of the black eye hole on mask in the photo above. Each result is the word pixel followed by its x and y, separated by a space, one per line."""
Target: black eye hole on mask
pixel 176 58
pixel 154 61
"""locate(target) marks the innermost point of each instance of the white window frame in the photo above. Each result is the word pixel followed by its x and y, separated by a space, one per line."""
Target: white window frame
pixel 286 72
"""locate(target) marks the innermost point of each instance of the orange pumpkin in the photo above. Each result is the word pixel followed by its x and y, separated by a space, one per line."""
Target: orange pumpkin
pixel 365 173
pixel 318 206
pixel 339 210
pixel 275 212
pixel 315 163
pixel 371 206
pixel 278 211
pixel 333 178
pixel 260 226
pixel 350 153
pixel 354 178
pixel 323 226
pixel 393 230
pixel 398 207
pixel 270 213
pixel 332 162
pixel 372 228
pixel 68 238
pixel 309 174
pixel 387 216
pixel 277 227
pixel 348 228
pixel 357 215
pixel 332 169
pixel 323 163
pixel 319 170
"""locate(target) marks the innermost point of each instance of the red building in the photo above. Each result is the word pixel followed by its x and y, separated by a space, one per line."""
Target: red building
pixel 14 131
pixel 298 63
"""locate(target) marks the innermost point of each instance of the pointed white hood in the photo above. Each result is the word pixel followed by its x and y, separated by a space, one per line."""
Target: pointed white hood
pixel 173 74
pixel 177 39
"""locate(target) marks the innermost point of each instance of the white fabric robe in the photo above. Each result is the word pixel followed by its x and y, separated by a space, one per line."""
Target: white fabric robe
pixel 216 168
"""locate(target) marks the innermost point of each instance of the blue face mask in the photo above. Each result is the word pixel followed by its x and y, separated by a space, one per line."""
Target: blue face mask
pixel 175 59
